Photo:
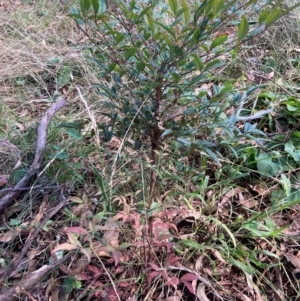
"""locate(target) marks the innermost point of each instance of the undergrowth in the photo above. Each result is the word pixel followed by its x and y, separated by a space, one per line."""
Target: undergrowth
pixel 182 183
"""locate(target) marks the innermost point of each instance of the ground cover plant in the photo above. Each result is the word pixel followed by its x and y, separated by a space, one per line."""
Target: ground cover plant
pixel 170 168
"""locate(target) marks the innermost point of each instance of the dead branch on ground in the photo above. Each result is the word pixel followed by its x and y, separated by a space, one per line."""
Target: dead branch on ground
pixel 7 199
pixel 30 281
pixel 6 273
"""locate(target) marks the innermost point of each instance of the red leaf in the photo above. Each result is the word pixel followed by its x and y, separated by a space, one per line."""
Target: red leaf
pixel 153 266
pixel 189 277
pixel 117 256
pixel 123 284
pixel 121 215
pixel 152 275
pixel 164 274
pixel 95 270
pixel 77 230
pixel 189 286
pixel 98 284
pixel 119 270
pixel 173 260
pixel 174 281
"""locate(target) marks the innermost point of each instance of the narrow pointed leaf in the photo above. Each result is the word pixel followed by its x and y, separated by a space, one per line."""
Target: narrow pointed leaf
pixel 174 6
pixel 274 16
pixel 102 6
pixel 243 29
pixel 199 64
pixel 130 52
pixel 187 10
pixel 218 41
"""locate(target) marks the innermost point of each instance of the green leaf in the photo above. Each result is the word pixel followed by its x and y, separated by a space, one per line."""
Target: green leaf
pixel 212 155
pixel 218 41
pixel 199 64
pixel 245 268
pixel 102 6
pixel 176 77
pixel 130 52
pixel 101 183
pixel 274 16
pixel 214 64
pixel 219 6
pixel 144 11
pixel 243 29
pixel 265 165
pixel 192 244
pixel 200 10
pixel 95 4
pixel 286 184
pixel 256 31
pixel 150 23
pixel 235 52
pixel 125 245
pixel 132 4
pixel 174 6
pixel 166 28
pixel 63 76
pixel 167 132
pixel 212 4
pixel 177 50
pixel 187 15
pixel 263 16
pixel 68 285
pixel 73 133
pixel 140 66
pixel 85 6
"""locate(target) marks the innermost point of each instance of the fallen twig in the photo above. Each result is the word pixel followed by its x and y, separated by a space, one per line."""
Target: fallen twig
pixel 30 281
pixel 6 200
pixel 37 187
pixel 18 259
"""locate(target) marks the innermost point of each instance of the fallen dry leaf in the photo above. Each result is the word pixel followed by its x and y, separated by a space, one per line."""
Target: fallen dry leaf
pixel 200 292
pixel 111 233
pixel 294 260
pixel 3 180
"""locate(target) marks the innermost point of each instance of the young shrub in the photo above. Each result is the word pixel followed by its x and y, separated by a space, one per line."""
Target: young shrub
pixel 157 65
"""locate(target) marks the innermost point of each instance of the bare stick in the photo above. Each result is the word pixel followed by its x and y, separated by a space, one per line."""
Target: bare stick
pixel 18 259
pixel 40 146
pixel 30 281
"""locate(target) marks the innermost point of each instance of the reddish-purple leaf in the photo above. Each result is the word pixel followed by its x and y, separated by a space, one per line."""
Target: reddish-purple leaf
pixel 98 284
pixel 164 274
pixel 95 270
pixel 153 266
pixel 77 230
pixel 174 281
pixel 119 270
pixel 152 275
pixel 189 286
pixel 173 260
pixel 189 277
pixel 123 284
pixel 117 256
